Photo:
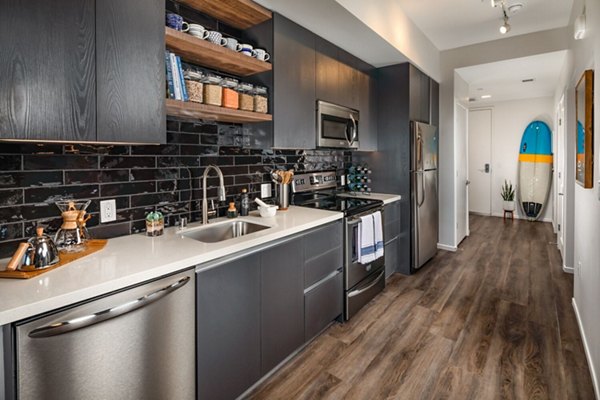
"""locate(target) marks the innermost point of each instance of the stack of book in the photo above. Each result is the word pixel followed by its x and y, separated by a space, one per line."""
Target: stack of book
pixel 175 82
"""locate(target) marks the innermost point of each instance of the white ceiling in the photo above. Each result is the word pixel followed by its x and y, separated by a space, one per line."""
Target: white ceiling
pixel 333 22
pixel 456 23
pixel 503 79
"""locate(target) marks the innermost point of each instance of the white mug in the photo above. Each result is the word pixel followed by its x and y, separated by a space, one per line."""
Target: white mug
pixel 216 37
pixel 261 55
pixel 232 44
pixel 247 50
pixel 198 31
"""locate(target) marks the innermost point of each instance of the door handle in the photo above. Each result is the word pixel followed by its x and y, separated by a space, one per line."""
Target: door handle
pixel 81 322
pixel 360 291
pixel 487 168
pixel 468 182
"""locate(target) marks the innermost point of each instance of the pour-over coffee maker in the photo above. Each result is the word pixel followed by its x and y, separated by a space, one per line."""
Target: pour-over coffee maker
pixel 73 234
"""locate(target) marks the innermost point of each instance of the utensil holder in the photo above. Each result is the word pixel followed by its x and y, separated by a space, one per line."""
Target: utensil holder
pixel 284 196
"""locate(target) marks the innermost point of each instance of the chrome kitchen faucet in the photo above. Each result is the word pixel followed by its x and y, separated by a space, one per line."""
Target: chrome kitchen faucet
pixel 221 191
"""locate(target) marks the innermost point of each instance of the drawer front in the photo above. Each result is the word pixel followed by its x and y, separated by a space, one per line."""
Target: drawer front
pixel 391 221
pixel 364 292
pixel 322 240
pixel 319 267
pixel 322 305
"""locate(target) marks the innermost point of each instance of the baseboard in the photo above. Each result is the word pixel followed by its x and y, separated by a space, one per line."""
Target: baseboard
pixel 446 247
pixel 517 216
pixel 588 355
pixel 568 270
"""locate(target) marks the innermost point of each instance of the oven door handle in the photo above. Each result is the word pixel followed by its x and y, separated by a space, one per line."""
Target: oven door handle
pixel 360 291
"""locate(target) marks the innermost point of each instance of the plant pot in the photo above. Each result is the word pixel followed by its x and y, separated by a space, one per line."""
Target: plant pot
pixel 509 205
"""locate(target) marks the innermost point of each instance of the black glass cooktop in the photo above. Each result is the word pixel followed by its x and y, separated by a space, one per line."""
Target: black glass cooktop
pixel 331 202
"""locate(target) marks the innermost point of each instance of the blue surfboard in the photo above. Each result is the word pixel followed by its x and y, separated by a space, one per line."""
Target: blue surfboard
pixel 535 169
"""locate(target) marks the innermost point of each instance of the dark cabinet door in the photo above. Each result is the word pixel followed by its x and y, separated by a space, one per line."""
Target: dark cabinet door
pixel 228 328
pixel 327 72
pixel 130 66
pixel 282 302
pixel 294 81
pixel 419 95
pixel 435 103
pixel 367 106
pixel 47 70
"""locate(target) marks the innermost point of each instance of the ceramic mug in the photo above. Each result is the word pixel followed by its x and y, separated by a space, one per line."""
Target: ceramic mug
pixel 176 22
pixel 232 44
pixel 247 50
pixel 198 31
pixel 262 55
pixel 216 38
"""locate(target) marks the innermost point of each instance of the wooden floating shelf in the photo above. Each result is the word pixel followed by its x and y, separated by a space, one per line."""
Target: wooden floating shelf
pixel 186 109
pixel 241 14
pixel 207 54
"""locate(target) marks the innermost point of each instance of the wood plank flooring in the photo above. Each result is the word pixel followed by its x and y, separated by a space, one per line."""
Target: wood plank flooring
pixel 491 321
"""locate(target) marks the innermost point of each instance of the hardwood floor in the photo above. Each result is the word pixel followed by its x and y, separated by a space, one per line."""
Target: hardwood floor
pixel 491 321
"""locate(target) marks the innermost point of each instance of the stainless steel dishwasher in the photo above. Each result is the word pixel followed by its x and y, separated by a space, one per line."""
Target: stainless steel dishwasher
pixel 135 344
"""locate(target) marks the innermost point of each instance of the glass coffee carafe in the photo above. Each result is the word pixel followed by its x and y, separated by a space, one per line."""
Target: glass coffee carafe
pixel 73 233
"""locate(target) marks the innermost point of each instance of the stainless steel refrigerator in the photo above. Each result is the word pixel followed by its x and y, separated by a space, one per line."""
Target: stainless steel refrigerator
pixel 424 193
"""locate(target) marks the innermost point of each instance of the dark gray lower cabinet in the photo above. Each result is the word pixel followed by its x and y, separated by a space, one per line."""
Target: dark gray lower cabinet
pixel 282 303
pixel 228 328
pixel 323 303
pixel 391 233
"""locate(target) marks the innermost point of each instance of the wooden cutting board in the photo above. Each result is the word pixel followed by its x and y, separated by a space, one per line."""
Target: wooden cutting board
pixel 91 246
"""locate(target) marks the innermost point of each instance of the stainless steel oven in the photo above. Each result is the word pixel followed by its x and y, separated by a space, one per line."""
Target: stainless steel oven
pixel 337 126
pixel 362 282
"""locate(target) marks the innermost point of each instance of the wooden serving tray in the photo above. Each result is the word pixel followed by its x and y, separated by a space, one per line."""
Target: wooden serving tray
pixel 91 246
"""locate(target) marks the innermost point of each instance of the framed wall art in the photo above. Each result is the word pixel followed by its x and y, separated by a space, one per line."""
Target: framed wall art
pixel 584 108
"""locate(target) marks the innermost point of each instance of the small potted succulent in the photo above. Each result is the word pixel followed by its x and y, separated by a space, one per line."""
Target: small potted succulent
pixel 508 195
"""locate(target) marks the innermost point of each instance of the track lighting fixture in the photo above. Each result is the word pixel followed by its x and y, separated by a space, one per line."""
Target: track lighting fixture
pixel 505 27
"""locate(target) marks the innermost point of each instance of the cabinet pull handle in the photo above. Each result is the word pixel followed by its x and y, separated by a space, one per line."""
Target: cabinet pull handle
pixel 360 291
pixel 59 328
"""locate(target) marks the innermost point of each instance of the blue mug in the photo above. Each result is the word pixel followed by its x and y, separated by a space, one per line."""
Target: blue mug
pixel 176 22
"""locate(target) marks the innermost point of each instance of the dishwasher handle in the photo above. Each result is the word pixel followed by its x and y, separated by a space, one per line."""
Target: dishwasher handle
pixel 59 328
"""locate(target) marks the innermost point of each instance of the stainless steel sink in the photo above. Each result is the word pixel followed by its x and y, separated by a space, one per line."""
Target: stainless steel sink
pixel 227 230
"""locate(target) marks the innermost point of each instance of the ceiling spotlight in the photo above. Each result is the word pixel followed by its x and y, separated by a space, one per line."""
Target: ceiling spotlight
pixel 505 27
pixel 580 26
pixel 486 96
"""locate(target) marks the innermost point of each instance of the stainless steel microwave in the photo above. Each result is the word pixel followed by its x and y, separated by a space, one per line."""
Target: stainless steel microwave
pixel 337 126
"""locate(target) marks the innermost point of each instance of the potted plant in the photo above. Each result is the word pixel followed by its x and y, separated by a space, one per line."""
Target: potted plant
pixel 508 195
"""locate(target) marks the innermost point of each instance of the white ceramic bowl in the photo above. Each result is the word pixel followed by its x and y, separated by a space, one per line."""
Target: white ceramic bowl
pixel 267 211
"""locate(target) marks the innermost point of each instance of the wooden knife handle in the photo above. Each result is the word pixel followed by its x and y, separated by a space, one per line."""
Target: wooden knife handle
pixel 14 262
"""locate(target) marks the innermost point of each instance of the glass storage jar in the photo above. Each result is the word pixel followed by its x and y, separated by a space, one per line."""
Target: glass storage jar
pixel 213 93
pixel 193 83
pixel 261 101
pixel 231 97
pixel 246 96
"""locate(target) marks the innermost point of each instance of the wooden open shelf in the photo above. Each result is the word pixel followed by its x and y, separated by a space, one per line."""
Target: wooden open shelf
pixel 207 54
pixel 241 14
pixel 187 109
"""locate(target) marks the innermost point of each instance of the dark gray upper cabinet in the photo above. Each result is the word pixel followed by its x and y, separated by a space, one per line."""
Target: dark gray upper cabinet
pixel 419 95
pixel 47 70
pixel 294 85
pixel 228 328
pixel 282 303
pixel 328 74
pixel 435 103
pixel 130 71
pixel 82 71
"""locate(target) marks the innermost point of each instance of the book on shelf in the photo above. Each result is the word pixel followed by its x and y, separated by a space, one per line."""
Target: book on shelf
pixel 184 94
pixel 176 79
pixel 170 84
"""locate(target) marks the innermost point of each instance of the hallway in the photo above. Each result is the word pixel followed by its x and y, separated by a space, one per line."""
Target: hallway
pixel 493 320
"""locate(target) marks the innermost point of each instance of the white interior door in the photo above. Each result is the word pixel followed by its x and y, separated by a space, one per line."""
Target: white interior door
pixel 559 167
pixel 461 118
pixel 480 161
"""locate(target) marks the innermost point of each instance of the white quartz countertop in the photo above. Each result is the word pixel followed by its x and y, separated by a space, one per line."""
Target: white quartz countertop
pixel 133 259
pixel 385 197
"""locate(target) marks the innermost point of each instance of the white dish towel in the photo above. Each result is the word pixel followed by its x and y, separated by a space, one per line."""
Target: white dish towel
pixel 378 229
pixel 367 240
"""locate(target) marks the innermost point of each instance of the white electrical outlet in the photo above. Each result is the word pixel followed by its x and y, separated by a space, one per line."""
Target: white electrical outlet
pixel 108 211
pixel 265 190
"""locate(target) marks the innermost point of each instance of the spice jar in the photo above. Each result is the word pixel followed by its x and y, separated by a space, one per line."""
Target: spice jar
pixel 193 83
pixel 261 101
pixel 245 91
pixel 231 97
pixel 213 93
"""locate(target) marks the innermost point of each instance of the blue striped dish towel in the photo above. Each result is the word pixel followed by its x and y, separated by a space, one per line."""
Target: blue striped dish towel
pixel 378 233
pixel 367 240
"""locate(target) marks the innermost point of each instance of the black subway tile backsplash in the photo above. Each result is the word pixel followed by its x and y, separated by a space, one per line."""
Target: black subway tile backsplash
pixel 139 178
